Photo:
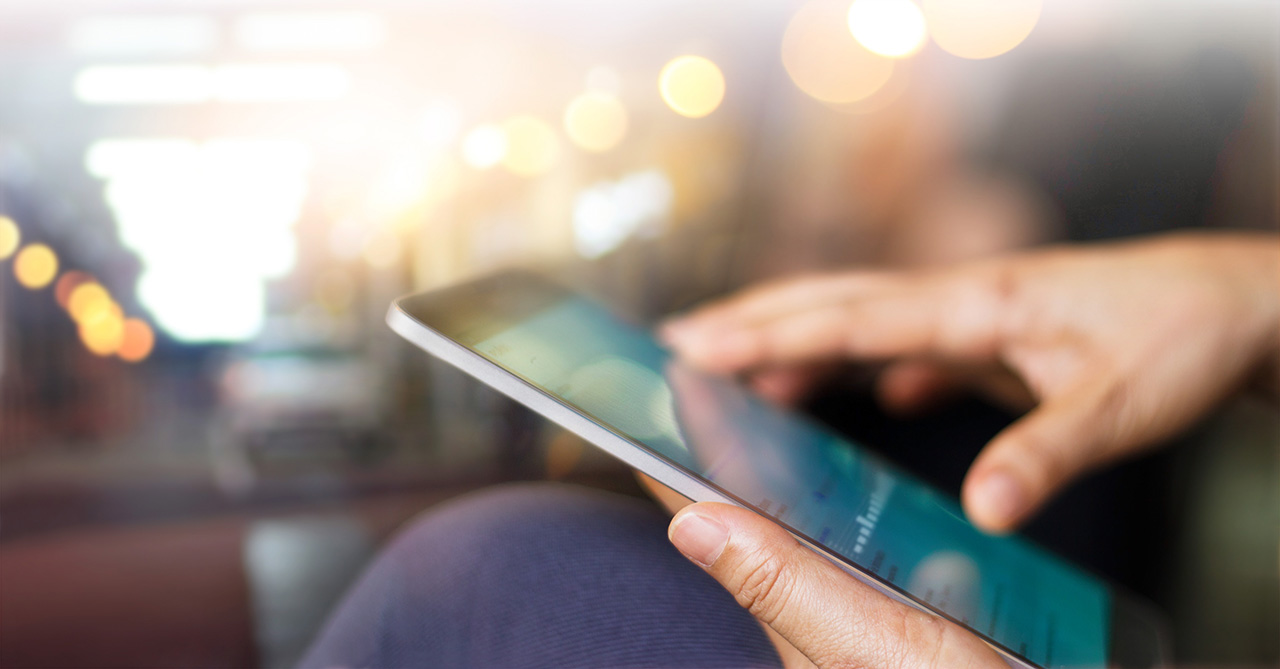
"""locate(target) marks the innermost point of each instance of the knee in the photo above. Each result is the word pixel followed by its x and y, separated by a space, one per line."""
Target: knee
pixel 520 522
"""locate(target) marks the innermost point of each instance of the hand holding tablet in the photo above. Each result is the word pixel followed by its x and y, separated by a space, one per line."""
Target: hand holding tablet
pixel 847 557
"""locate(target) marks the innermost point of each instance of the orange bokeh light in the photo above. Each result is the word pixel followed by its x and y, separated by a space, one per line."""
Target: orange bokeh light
pixel 825 61
pixel 66 284
pixel 103 336
pixel 137 340
pixel 89 302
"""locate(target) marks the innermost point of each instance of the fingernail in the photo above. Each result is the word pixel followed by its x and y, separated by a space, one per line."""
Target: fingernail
pixel 700 538
pixel 999 498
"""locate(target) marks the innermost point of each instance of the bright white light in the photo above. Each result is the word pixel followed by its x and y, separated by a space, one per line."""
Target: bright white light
pixel 301 31
pixel 194 84
pixel 204 306
pixel 109 158
pixel 484 147
pixel 143 36
pixel 608 213
pixel 210 222
pixel 280 82
pixel 890 28
pixel 144 84
pixel 441 122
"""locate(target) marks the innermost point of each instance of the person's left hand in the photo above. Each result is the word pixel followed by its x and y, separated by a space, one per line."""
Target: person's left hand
pixel 828 615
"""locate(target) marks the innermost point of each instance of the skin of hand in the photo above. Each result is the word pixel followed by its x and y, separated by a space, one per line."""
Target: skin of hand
pixel 1115 347
pixel 831 618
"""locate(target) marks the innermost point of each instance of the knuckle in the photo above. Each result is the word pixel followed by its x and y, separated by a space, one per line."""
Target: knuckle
pixel 1115 405
pixel 972 320
pixel 922 637
pixel 1005 288
pixel 762 585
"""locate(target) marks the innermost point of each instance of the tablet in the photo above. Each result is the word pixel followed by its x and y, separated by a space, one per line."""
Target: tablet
pixel 710 439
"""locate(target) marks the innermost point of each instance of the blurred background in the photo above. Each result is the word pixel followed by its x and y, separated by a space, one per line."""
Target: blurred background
pixel 206 207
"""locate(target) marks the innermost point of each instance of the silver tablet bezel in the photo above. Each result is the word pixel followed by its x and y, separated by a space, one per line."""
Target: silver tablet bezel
pixel 511 385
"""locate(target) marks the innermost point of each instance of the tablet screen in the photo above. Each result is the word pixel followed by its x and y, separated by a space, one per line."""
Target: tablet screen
pixel 820 486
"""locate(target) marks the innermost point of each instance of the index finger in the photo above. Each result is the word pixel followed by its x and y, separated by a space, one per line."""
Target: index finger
pixel 956 314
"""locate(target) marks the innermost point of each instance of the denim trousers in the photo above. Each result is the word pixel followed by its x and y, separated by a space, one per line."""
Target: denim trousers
pixel 538 575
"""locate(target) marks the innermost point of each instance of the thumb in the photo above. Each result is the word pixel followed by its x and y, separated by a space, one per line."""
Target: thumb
pixel 828 615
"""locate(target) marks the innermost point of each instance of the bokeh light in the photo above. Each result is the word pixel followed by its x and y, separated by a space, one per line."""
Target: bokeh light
pixel 35 266
pixel 67 283
pixel 89 302
pixel 980 28
pixel 890 28
pixel 595 121
pixel 136 341
pixel 825 61
pixel 692 86
pixel 532 146
pixel 10 237
pixel 484 147
pixel 103 336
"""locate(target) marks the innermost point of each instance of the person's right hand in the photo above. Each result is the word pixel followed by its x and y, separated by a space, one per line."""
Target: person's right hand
pixel 1120 345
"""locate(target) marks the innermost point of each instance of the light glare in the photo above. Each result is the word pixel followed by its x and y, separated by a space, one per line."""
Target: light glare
pixel 532 146
pixel 88 302
pixel 207 305
pixel 211 223
pixel 10 237
pixel 137 340
pixel 978 29
pixel 825 61
pixel 66 285
pixel 890 28
pixel 180 84
pixel 104 335
pixel 280 82
pixel 609 213
pixel 301 31
pixel 595 121
pixel 484 147
pixel 144 84
pixel 692 86
pixel 143 36
pixel 35 266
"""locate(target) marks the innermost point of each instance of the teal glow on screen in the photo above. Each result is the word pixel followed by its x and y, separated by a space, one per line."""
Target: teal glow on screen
pixel 819 485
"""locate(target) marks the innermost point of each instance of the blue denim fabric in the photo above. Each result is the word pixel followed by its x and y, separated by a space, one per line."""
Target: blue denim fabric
pixel 538 575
